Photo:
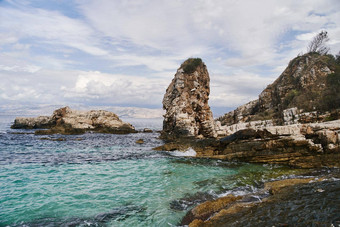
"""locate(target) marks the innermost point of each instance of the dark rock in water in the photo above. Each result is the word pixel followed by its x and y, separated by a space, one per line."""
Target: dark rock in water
pixel 69 122
pixel 186 103
pixel 140 141
pixel 53 139
pixel 147 130
pixel 246 134
pixel 98 220
pixel 189 200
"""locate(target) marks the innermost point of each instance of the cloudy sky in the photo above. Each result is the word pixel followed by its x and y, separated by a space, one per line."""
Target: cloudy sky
pixel 126 52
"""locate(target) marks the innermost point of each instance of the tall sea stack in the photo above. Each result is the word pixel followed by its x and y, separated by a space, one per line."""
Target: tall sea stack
pixel 186 103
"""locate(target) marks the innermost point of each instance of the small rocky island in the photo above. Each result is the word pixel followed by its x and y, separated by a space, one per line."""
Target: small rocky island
pixel 67 121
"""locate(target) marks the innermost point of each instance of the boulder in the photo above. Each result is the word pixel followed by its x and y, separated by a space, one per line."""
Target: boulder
pixel 186 103
pixel 204 210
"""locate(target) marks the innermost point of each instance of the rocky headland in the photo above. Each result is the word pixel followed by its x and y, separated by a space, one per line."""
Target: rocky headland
pixel 295 120
pixel 67 121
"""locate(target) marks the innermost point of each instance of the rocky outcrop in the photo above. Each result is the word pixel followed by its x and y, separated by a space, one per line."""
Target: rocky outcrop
pixel 276 128
pixel 302 145
pixel 205 210
pixel 292 200
pixel 33 122
pixel 68 121
pixel 299 145
pixel 186 103
pixel 310 84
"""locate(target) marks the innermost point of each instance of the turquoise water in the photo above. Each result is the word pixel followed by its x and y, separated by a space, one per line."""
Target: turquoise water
pixel 105 180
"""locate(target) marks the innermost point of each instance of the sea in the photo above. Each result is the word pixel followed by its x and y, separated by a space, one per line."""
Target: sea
pixel 109 180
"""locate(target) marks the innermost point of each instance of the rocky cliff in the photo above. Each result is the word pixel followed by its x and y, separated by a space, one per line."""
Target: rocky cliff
pixel 186 103
pixel 68 121
pixel 310 83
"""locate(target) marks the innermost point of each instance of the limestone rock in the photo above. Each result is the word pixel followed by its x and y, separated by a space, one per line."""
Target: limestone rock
pixel 68 121
pixel 275 186
pixel 241 114
pixel 290 116
pixel 303 87
pixel 33 122
pixel 186 103
pixel 204 210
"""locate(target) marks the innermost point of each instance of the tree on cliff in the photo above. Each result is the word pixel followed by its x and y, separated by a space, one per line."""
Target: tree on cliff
pixel 318 44
pixel 337 58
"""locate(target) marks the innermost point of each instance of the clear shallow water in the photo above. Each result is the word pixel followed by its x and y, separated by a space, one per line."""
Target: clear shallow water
pixel 107 180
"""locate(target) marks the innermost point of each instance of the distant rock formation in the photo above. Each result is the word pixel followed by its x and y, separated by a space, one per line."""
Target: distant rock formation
pixel 68 121
pixel 186 103
pixel 310 83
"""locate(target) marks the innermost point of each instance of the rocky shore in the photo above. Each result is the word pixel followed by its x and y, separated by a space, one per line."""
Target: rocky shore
pixel 295 122
pixel 67 121
pixel 310 201
pixel 288 136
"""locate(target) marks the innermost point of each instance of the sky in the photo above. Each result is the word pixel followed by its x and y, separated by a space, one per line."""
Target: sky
pixel 126 52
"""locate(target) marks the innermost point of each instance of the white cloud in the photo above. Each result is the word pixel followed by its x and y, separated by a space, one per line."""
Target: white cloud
pixel 236 89
pixel 116 89
pixel 51 27
pixel 20 68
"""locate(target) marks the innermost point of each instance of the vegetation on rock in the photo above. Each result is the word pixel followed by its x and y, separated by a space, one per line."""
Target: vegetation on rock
pixel 190 65
pixel 318 44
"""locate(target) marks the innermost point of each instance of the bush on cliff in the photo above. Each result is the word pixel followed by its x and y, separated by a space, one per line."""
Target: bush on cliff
pixel 190 65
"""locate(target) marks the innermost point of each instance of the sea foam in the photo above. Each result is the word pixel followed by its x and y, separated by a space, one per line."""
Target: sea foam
pixel 188 153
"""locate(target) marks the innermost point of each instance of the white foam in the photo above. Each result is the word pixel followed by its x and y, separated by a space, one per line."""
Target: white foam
pixel 188 153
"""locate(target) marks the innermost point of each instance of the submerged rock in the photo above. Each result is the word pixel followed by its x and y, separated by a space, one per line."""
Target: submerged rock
pixel 147 130
pixel 140 141
pixel 186 103
pixel 67 121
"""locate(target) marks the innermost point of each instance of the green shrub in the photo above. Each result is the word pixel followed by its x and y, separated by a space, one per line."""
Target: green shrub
pixel 190 65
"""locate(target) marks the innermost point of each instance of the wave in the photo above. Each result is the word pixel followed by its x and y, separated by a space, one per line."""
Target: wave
pixel 188 153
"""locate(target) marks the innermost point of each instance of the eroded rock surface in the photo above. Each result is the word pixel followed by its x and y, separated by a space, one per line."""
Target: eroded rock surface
pixel 68 121
pixel 300 145
pixel 186 103
pixel 295 202
pixel 309 84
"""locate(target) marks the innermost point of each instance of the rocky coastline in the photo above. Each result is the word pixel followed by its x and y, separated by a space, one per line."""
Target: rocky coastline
pixel 278 128
pixel 291 136
pixel 287 125
pixel 67 122
pixel 268 206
